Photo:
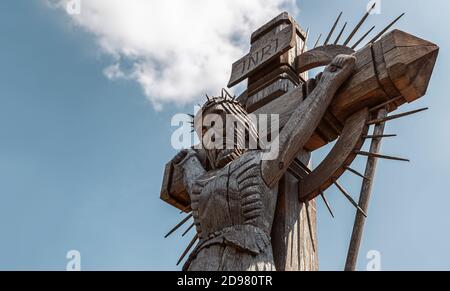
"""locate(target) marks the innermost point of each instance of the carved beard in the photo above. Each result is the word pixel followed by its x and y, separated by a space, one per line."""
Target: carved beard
pixel 219 158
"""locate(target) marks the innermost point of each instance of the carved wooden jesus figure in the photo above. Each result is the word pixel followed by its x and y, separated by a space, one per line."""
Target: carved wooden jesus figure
pixel 233 200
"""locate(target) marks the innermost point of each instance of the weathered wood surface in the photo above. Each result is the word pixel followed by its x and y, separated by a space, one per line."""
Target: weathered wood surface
pixel 328 129
pixel 262 79
pixel 260 178
pixel 233 212
pixel 306 117
pixel 340 157
pixel 292 247
pixel 397 65
pixel 291 242
pixel 173 190
pixel 267 82
pixel 264 73
pixel 274 26
pixel 267 94
pixel 261 53
pixel 320 56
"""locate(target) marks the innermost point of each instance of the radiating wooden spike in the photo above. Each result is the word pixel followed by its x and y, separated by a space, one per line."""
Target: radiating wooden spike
pixel 396 116
pixel 332 29
pixel 293 173
pixel 386 29
pixel 326 203
pixel 304 167
pixel 306 41
pixel 383 105
pixel 227 94
pixel 191 115
pixel 374 136
pixel 187 230
pixel 358 26
pixel 363 37
pixel 308 170
pixel 207 97
pixel 178 225
pixel 340 34
pixel 374 155
pixel 191 244
pixel 317 41
pixel 356 173
pixel 310 226
pixel 349 198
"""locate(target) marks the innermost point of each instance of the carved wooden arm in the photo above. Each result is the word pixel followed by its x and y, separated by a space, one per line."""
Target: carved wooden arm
pixel 190 166
pixel 306 118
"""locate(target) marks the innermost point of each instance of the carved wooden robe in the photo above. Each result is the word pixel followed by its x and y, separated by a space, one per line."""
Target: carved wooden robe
pixel 233 211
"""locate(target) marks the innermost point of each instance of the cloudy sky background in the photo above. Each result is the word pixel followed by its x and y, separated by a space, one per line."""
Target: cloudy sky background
pixel 159 43
pixel 85 130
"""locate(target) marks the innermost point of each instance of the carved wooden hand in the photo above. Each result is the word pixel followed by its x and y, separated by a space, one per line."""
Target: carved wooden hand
pixel 306 118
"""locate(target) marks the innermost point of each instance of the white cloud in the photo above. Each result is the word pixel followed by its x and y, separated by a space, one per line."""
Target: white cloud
pixel 114 72
pixel 178 49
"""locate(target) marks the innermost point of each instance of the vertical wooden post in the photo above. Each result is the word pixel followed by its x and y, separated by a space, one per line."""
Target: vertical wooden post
pixel 291 241
pixel 366 189
pixel 292 247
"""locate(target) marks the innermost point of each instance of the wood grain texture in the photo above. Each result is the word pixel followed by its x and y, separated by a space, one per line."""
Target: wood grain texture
pixel 173 190
pixel 320 56
pixel 292 246
pixel 272 27
pixel 398 66
pixel 306 117
pixel 267 94
pixel 291 243
pixel 235 204
pixel 264 78
pixel 261 53
pixel 340 157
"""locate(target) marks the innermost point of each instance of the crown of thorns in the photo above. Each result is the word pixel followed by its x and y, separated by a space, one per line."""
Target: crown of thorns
pixel 225 98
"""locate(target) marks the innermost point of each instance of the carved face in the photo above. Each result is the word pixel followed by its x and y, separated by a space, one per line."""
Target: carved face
pixel 224 128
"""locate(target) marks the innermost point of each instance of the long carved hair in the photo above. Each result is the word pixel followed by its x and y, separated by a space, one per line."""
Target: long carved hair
pixel 245 134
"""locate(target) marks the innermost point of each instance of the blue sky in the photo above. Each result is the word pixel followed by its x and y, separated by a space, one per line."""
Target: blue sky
pixel 82 156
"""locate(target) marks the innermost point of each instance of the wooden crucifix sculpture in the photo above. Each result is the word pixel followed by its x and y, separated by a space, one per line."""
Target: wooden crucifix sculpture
pixel 252 213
